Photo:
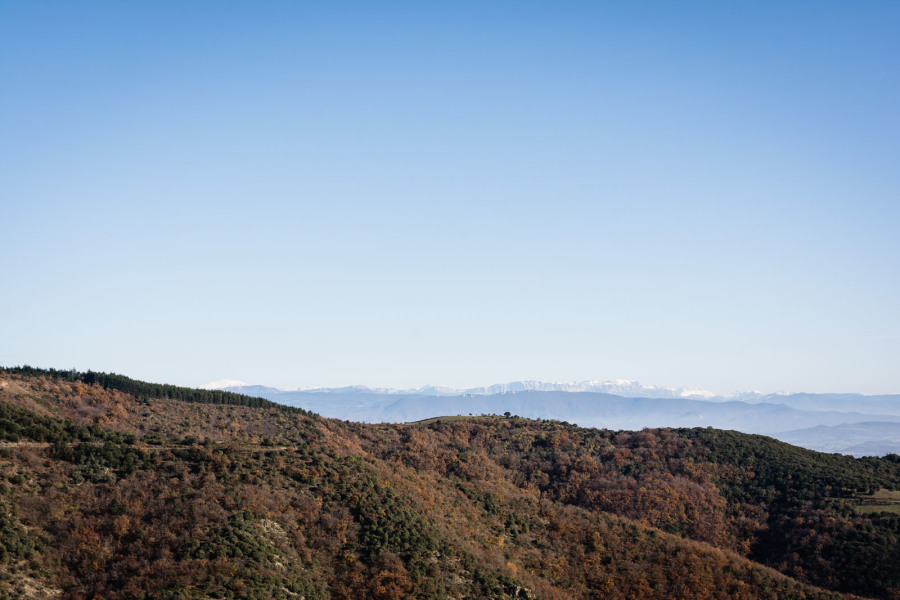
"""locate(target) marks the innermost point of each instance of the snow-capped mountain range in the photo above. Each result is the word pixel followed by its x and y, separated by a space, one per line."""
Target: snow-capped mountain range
pixel 620 387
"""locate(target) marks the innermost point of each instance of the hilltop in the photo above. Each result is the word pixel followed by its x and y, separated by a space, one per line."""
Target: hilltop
pixel 116 488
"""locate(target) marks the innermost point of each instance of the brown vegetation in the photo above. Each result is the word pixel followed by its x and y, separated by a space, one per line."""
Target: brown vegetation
pixel 117 496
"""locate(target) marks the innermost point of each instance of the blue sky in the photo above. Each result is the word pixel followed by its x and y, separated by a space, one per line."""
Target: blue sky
pixel 399 193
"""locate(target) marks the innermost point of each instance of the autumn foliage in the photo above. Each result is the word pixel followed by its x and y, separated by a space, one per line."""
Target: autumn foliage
pixel 110 494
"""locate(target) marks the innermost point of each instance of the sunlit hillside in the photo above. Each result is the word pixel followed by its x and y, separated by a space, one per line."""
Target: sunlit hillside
pixel 163 492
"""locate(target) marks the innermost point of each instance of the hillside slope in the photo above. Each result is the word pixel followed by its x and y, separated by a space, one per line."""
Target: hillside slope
pixel 124 491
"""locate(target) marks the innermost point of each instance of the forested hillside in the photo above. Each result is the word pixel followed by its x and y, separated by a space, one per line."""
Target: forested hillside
pixel 114 488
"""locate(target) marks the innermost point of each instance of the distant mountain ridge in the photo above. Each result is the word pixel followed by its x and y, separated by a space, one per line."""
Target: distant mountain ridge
pixel 632 406
pixel 620 387
pixel 884 403
pixel 628 388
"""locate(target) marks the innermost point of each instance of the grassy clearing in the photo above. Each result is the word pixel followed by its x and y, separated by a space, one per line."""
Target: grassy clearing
pixel 880 501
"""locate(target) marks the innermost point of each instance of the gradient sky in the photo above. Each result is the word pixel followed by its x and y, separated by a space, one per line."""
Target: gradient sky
pixel 459 193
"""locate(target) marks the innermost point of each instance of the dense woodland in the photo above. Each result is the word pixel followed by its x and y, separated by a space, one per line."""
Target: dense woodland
pixel 115 488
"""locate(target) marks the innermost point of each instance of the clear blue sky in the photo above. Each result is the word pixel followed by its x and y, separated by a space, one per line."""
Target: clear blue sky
pixel 459 193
